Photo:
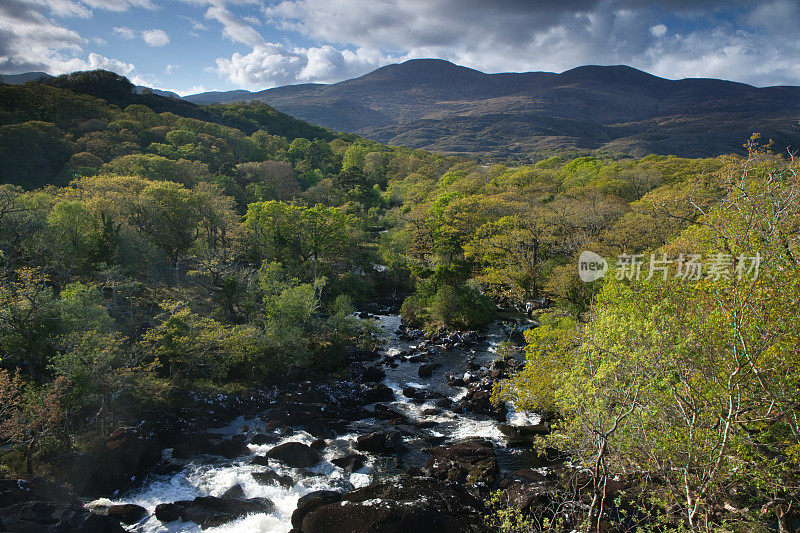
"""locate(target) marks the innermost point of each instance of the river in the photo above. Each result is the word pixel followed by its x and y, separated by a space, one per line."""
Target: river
pixel 210 476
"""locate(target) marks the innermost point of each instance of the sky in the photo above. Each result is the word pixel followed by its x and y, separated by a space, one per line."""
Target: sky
pixel 191 46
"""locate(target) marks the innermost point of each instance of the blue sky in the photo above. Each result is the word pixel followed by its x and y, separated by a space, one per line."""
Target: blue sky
pixel 196 45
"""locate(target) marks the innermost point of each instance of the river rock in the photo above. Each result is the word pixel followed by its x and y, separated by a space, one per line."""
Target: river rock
pixel 45 507
pixel 127 453
pixel 233 493
pixel 522 436
pixel 311 501
pixel 378 393
pixel 380 442
pixel 372 374
pixel 294 454
pixel 210 445
pixel 400 505
pixel 270 477
pixel 127 513
pixel 351 462
pixel 471 461
pixel 210 511
pixel 425 370
pixel 168 512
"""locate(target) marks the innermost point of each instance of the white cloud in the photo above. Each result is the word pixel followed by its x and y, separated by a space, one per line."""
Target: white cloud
pixel 169 69
pixel 271 64
pixel 120 5
pixel 155 37
pixel 234 29
pixel 124 32
pixel 659 30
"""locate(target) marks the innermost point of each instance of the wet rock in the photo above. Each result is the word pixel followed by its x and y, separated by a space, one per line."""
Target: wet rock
pixel 320 429
pixel 479 401
pixel 209 445
pixel 399 506
pixel 380 442
pixel 425 370
pixel 372 374
pixel 471 461
pixel 378 393
pixel 294 454
pixel 127 513
pixel 443 403
pixel 318 444
pixel 270 477
pixel 45 507
pixel 168 512
pixel 414 393
pixel 311 501
pixel 523 436
pixel 455 381
pixel 127 453
pixel 235 492
pixel 261 460
pixel 264 438
pixel 210 511
pixel 351 462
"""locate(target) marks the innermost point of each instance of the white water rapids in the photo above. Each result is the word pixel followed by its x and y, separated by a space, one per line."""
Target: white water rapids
pixel 208 476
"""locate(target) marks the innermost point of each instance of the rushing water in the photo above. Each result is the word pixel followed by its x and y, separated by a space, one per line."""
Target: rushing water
pixel 206 476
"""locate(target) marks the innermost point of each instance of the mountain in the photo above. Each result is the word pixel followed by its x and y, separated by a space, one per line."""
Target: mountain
pixel 19 79
pixel 16 79
pixel 434 104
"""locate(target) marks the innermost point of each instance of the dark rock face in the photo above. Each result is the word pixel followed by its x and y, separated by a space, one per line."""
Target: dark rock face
pixel 127 453
pixel 208 445
pixel 425 370
pixel 270 477
pixel 522 436
pixel 36 507
pixel 372 374
pixel 127 513
pixel 479 401
pixel 294 454
pixel 210 511
pixel 378 393
pixel 350 462
pixel 397 506
pixel 311 501
pixel 380 442
pixel 469 462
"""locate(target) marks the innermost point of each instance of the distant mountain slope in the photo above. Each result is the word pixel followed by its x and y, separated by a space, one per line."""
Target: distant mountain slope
pixel 434 104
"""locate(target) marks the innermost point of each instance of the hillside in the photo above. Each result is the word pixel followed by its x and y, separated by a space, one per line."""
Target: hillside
pixel 436 105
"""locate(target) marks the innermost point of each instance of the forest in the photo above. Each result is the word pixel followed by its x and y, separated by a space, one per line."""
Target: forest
pixel 148 245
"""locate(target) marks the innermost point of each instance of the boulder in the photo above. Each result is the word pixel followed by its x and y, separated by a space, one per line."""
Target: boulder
pixel 127 453
pixel 210 445
pixel 127 513
pixel 400 505
pixel 351 462
pixel 168 512
pixel 41 507
pixel 311 501
pixel 468 462
pixel 210 511
pixel 523 436
pixel 425 370
pixel 380 442
pixel 378 393
pixel 372 374
pixel 270 477
pixel 235 492
pixel 294 454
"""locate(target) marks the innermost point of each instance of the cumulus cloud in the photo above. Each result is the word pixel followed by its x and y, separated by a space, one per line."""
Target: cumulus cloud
pixel 124 32
pixel 155 37
pixel 272 64
pixel 517 35
pixel 30 40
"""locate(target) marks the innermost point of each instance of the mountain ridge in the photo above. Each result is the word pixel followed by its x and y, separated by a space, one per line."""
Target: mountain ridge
pixel 440 106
